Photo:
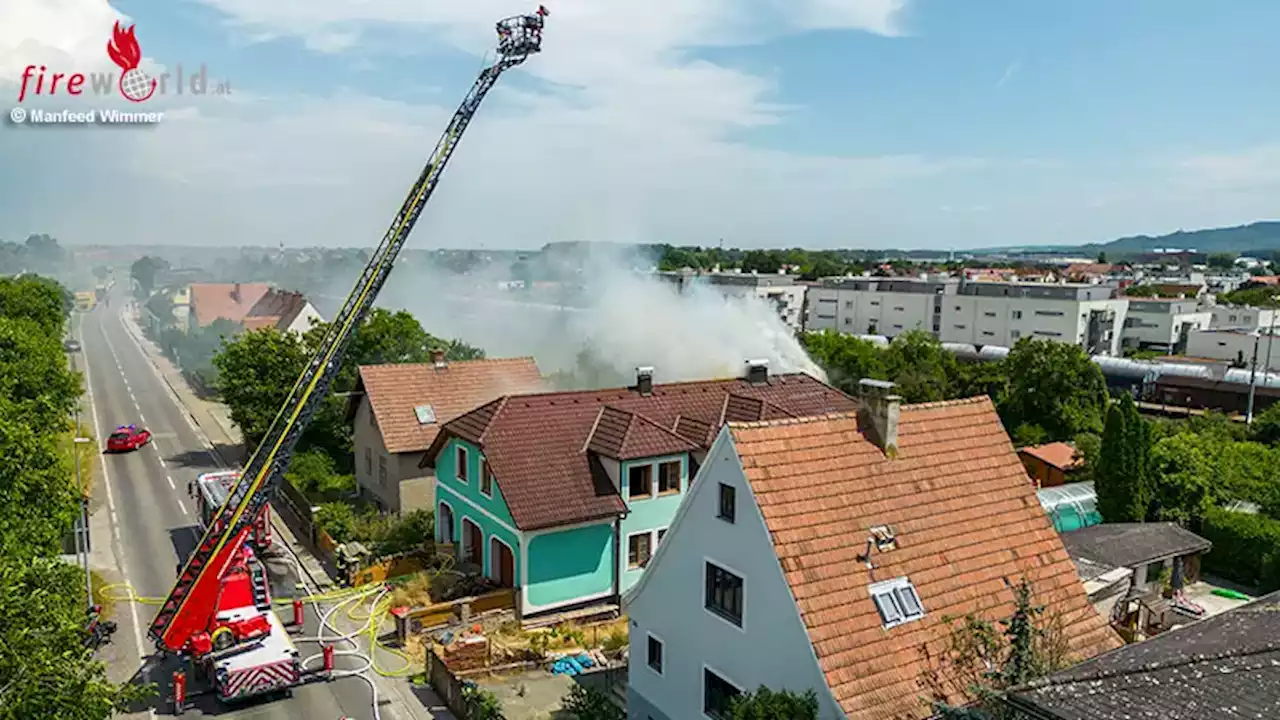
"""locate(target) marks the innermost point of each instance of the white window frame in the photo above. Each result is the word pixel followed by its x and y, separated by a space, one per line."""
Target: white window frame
pixel 460 452
pixel 889 590
pixel 453 520
pixel 652 549
pixel 662 661
pixel 702 686
pixel 486 474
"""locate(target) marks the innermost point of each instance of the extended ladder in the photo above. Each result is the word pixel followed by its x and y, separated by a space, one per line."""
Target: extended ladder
pixel 188 607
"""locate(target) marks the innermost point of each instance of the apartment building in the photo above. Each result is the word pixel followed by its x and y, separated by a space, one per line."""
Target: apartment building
pixel 974 313
pixel 784 292
pixel 1243 317
pixel 1237 346
pixel 1163 323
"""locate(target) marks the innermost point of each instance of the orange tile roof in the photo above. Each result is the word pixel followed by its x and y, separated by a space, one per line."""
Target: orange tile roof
pixel 1058 454
pixel 232 301
pixel 968 527
pixel 394 390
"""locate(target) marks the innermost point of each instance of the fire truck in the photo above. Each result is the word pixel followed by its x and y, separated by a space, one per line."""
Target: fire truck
pixel 218 614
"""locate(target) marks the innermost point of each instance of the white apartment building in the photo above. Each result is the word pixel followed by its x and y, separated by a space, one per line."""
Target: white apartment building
pixel 1236 346
pixel 1242 317
pixel 973 313
pixel 1162 323
pixel 784 292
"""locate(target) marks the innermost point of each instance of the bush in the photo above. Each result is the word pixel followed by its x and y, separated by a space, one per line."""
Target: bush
pixel 338 519
pixel 586 703
pixel 1246 548
pixel 481 704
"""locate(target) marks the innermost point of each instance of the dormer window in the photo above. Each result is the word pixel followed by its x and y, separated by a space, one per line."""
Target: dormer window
pixel 897 602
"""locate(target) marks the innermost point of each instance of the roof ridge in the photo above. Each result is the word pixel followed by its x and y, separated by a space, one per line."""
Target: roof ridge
pixel 974 400
pixel 744 425
pixel 502 404
pixel 646 419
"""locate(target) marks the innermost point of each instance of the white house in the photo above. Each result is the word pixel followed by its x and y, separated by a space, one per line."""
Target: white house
pixel 971 312
pixel 1163 323
pixel 1244 317
pixel 826 553
pixel 1237 346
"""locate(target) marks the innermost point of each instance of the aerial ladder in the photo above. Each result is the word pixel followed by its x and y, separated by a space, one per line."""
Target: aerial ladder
pixel 218 613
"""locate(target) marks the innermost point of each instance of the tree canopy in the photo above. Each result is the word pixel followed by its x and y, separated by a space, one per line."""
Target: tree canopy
pixel 1123 474
pixel 1054 387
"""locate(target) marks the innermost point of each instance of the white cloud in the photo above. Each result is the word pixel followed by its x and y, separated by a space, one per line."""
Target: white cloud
pixel 1256 168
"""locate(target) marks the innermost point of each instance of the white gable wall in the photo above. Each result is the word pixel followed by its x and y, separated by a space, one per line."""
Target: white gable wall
pixel 772 648
pixel 307 318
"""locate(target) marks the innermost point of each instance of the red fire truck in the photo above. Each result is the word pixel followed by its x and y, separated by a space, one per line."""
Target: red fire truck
pixel 211 491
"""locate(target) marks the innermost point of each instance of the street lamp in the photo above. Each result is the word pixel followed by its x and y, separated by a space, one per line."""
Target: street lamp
pixel 82 537
pixel 1266 370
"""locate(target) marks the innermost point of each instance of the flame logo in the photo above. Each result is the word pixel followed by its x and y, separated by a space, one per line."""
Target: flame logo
pixel 135 85
pixel 123 48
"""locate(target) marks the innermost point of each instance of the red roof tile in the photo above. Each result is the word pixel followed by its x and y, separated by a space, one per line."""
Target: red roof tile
pixel 394 391
pixel 967 523
pixel 1058 454
pixel 232 301
pixel 540 447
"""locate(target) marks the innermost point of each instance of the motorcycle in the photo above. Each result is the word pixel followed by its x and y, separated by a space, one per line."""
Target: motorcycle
pixel 97 632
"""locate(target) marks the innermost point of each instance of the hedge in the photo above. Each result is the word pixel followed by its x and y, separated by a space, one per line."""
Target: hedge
pixel 1246 548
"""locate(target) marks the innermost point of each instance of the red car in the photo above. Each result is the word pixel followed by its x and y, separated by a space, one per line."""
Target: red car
pixel 128 437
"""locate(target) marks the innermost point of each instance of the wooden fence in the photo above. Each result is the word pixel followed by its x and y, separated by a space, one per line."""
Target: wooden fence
pixel 446 684
pixel 423 618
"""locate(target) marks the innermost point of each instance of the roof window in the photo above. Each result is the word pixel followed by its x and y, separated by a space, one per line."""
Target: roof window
pixel 426 414
pixel 897 602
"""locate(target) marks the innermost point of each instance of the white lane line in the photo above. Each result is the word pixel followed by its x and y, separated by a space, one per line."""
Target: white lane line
pixel 111 506
pixel 184 507
pixel 171 485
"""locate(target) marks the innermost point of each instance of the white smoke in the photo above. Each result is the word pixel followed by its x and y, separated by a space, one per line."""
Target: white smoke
pixel 630 319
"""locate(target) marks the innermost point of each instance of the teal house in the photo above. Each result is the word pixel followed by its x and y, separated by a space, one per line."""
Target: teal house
pixel 566 495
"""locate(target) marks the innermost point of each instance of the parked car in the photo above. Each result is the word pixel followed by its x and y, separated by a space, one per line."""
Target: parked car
pixel 71 346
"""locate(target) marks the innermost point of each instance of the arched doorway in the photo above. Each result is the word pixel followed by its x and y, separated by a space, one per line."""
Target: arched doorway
pixel 444 524
pixel 502 563
pixel 472 542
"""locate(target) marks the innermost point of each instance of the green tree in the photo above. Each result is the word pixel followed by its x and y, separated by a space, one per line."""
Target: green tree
pixel 1184 468
pixel 38 499
pixel 588 703
pixel 1102 258
pixel 256 371
pixel 1142 291
pixel 1054 386
pixel 481 704
pixel 766 704
pixel 34 376
pixel 338 519
pixel 1266 426
pixel 39 299
pixel 1221 261
pixel 987 377
pixel 1123 476
pixel 144 271
pixel 1089 453
pixel 921 368
pixel 846 359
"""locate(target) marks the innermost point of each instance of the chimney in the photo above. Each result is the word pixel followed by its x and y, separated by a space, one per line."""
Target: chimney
pixel 235 293
pixel 758 372
pixel 878 414
pixel 644 380
pixel 437 359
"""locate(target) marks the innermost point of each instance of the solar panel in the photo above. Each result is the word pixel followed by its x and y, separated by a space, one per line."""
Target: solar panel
pixel 426 414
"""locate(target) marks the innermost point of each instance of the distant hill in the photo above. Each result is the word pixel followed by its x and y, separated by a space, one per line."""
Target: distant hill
pixel 1245 239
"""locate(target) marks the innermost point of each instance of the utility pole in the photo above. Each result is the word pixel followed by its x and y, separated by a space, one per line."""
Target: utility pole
pixel 1266 372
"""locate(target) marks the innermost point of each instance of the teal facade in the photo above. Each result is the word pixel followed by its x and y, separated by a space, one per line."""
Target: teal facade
pixel 555 567
pixel 649 513
pixel 465 500
pixel 569 566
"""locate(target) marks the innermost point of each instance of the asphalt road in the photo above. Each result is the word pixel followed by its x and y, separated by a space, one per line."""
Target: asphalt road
pixel 155 521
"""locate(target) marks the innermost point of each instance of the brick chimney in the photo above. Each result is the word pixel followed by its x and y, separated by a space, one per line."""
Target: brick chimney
pixel 437 359
pixel 758 372
pixel 878 414
pixel 644 380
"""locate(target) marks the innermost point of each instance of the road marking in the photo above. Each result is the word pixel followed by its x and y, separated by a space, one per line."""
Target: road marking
pixel 171 485
pixel 184 507
pixel 111 505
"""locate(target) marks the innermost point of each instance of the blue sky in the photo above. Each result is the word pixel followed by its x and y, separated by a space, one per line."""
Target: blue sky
pixel 832 123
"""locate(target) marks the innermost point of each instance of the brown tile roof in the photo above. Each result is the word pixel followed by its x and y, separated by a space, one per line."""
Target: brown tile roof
pixel 1089 269
pixel 968 526
pixel 394 391
pixel 541 447
pixel 277 309
pixel 1058 454
pixel 210 301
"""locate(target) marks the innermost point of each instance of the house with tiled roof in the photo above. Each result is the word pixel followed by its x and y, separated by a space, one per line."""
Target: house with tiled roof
pixel 283 310
pixel 1049 464
pixel 566 495
pixel 829 553
pixel 223 301
pixel 397 410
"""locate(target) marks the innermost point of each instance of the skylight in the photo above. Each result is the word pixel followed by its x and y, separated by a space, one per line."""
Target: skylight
pixel 897 602
pixel 426 414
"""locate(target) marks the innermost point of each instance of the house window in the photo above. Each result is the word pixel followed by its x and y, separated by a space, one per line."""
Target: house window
pixel 848 304
pixel 640 481
pixel 728 503
pixel 724 594
pixel 875 303
pixel 897 602
pixel 368 461
pixel 462 465
pixel 959 327
pixel 1015 334
pixel 1049 313
pixel 638 551
pixel 655 654
pixel 717 695
pixel 1153 571
pixel 660 534
pixel 669 477
pixel 848 321
pixel 486 479
pixel 989 314
pixel 382 470
pixel 1017 314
